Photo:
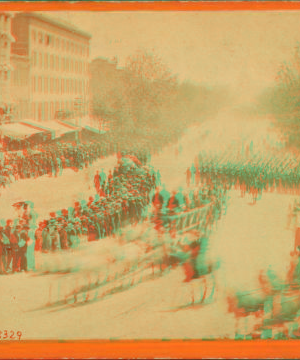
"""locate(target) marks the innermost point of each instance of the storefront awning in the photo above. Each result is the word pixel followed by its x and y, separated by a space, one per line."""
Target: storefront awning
pixel 19 130
pixel 94 130
pixel 56 128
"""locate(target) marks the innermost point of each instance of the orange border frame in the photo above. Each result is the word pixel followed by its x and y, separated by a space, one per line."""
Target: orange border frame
pixel 186 349
pixel 149 5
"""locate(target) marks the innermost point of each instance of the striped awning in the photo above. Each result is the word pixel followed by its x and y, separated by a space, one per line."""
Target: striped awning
pixel 56 127
pixel 18 130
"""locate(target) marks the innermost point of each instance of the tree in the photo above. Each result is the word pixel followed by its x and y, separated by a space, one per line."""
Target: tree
pixel 152 87
pixel 283 100
pixel 150 67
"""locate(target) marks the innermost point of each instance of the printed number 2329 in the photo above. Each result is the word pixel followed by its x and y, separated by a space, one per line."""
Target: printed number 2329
pixel 10 335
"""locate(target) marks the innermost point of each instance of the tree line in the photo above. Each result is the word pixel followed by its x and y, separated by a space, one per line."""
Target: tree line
pixel 144 98
pixel 283 100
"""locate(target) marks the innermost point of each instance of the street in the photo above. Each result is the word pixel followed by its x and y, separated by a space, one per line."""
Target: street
pixel 248 238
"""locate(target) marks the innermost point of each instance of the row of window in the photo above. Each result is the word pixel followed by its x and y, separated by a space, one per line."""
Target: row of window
pixel 41 38
pixel 51 85
pixel 52 62
pixel 45 110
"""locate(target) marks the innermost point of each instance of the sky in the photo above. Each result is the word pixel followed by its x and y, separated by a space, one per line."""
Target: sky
pixel 241 49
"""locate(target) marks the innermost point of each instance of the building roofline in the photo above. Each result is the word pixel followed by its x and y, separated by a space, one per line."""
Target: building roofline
pixel 59 23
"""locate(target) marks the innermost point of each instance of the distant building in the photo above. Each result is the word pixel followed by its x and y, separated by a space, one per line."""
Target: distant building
pixel 109 89
pixel 51 67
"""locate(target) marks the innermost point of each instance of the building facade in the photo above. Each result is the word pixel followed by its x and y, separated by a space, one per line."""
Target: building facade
pixel 6 39
pixel 51 67
pixel 19 89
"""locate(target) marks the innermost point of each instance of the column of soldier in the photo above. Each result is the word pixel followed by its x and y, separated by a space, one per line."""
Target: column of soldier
pixel 251 175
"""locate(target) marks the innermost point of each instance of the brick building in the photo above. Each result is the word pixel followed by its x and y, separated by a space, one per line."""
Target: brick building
pixel 51 67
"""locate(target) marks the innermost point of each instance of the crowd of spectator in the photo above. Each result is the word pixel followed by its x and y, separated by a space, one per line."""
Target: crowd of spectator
pixel 122 199
pixel 180 201
pixel 52 158
pixel 210 196
pixel 34 160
